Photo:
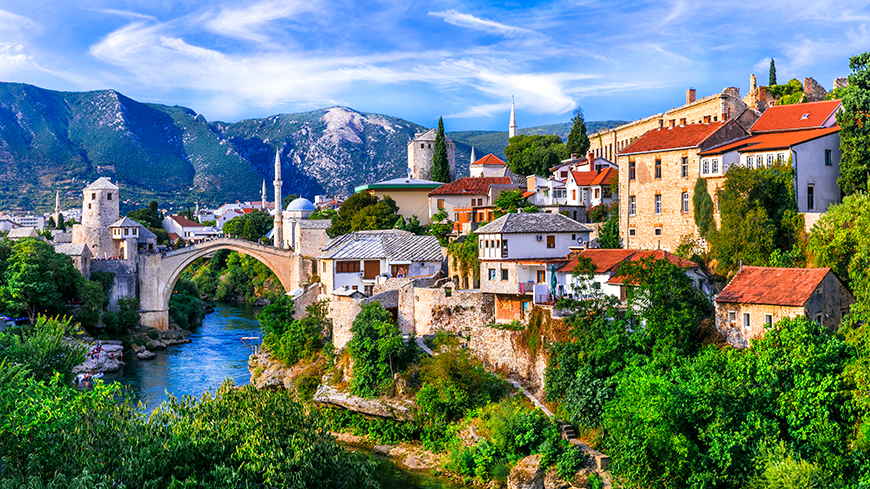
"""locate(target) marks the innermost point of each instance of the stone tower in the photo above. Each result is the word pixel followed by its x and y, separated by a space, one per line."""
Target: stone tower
pixel 57 215
pixel 473 159
pixel 421 151
pixel 512 129
pixel 263 194
pixel 100 209
pixel 753 92
pixel 278 234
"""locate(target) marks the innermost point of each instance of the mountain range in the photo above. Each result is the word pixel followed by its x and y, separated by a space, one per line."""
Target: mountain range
pixel 52 140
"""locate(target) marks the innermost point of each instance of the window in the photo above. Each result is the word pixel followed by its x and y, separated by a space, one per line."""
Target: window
pixel 440 203
pixel 492 274
pixel 541 276
pixel 504 248
pixel 828 161
pixel 715 165
pixel 819 319
pixel 658 168
pixel 93 196
pixel 89 206
pixel 780 158
pixel 126 231
pixel 354 287
pixel 632 205
pixel 768 320
pixel 746 320
pixel 658 204
pixel 504 274
pixel 632 170
pixel 347 267
pixel 109 196
pixel 632 232
pixel 551 241
pixel 685 201
pixel 732 316
pixel 597 193
pixel 769 160
pixel 657 231
pixel 749 162
pixel 705 166
pixel 684 167
pixel 811 205
pixel 564 174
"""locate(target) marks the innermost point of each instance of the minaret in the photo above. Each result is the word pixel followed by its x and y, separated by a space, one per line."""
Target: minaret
pixel 263 195
pixel 473 159
pixel 57 217
pixel 512 130
pixel 278 234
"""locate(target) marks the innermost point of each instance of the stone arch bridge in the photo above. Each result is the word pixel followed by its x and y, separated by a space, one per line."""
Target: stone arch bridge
pixel 159 272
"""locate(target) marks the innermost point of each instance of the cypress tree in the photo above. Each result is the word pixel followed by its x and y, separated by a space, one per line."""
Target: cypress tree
pixel 578 142
pixel 440 163
pixel 772 77
pixel 703 204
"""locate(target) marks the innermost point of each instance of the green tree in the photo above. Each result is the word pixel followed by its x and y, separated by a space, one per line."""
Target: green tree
pixel 771 77
pixel 703 207
pixel 290 340
pixel 147 217
pixel 51 224
pixel 512 201
pixel 440 226
pixel 440 162
pixel 465 255
pixel 534 155
pixel 323 213
pixel 377 350
pixel 854 121
pixel 251 227
pixel 363 211
pixel 91 292
pixel 788 94
pixel 578 141
pixel 42 349
pixel 36 279
pixel 608 234
pixel 289 198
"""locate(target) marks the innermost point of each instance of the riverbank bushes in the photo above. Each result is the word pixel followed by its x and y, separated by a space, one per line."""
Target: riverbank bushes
pixel 233 277
pixel 57 436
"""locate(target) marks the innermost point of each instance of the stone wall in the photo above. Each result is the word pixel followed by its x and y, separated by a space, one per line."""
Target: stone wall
pixel 813 91
pixel 342 311
pixel 310 241
pixel 126 280
pixel 308 297
pixel 462 311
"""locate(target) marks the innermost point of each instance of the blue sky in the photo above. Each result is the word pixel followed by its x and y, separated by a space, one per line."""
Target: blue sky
pixel 231 60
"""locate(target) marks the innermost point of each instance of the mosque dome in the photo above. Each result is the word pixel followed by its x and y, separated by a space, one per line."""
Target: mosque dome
pixel 301 204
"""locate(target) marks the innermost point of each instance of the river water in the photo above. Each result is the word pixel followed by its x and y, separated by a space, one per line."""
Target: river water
pixel 214 354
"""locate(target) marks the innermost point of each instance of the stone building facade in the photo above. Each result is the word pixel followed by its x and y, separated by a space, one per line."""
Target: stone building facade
pixel 720 107
pixel 100 209
pixel 657 175
pixel 421 150
pixel 759 297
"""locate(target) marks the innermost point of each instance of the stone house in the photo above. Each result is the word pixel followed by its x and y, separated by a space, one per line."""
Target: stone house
pixel 356 260
pixel 411 195
pixel 473 195
pixel 607 279
pixel 22 232
pixel 759 297
pixel 657 175
pixel 807 134
pixel 487 166
pixel 591 188
pixel 80 254
pixel 421 151
pixel 516 251
pixel 720 107
pixel 7 225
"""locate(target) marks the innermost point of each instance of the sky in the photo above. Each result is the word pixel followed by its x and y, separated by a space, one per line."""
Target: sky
pixel 235 59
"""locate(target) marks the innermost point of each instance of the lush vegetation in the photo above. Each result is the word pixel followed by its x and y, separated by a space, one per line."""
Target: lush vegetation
pixel 362 211
pixel 788 94
pixel 534 155
pixel 465 255
pixel 440 163
pixel 57 436
pixel 252 227
pixel 854 121
pixel 230 276
pixel 152 219
pixel 578 141
pixel 377 350
pixel 512 201
pixel 291 340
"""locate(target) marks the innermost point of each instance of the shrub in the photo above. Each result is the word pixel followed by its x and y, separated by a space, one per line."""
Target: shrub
pixel 40 348
pixel 569 462
pixel 377 350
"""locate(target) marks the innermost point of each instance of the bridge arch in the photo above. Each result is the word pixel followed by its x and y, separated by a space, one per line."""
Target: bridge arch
pixel 158 273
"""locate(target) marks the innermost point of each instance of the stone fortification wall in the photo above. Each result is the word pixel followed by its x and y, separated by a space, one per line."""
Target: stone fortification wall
pixel 398 283
pixel 308 297
pixel 462 311
pixel 343 311
pixel 126 280
pixel 310 241
pixel 813 91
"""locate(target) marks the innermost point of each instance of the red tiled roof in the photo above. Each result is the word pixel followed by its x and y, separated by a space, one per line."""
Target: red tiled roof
pixel 470 186
pixel 672 138
pixel 772 140
pixel 655 255
pixel 773 286
pixel 174 236
pixel 786 117
pixel 603 259
pixel 590 178
pixel 528 194
pixel 490 159
pixel 185 222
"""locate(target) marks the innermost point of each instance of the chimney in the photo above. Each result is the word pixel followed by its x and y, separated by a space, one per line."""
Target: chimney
pixel 573 156
pixel 690 96
pixel 590 157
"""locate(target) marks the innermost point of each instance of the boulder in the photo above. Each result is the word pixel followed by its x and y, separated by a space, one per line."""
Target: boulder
pixel 401 409
pixel 109 359
pixel 145 355
pixel 527 474
pixel 266 372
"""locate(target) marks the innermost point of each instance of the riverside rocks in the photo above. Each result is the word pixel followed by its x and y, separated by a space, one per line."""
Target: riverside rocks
pixel 528 474
pixel 267 372
pixel 400 409
pixel 407 455
pixel 107 360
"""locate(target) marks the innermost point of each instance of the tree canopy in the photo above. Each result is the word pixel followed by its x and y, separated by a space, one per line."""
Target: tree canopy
pixel 440 161
pixel 578 141
pixel 512 201
pixel 771 76
pixel 36 279
pixel 362 211
pixel 854 121
pixel 534 155
pixel 252 227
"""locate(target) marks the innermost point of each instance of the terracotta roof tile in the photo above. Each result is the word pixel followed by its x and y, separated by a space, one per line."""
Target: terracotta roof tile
pixel 796 116
pixel 773 286
pixel 185 222
pixel 470 186
pixel 603 259
pixel 589 178
pixel 655 255
pixel 672 138
pixel 772 140
pixel 490 159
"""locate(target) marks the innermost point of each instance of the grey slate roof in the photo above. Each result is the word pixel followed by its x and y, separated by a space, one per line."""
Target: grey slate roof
pixel 314 223
pixel 145 235
pixel 61 237
pixel 73 249
pixel 348 292
pixel 125 222
pixel 101 183
pixel 506 172
pixel 23 232
pixel 537 223
pixel 391 244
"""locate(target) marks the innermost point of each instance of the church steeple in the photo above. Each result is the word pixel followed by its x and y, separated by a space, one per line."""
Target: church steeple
pixel 278 234
pixel 512 130
pixel 263 194
pixel 473 159
pixel 57 216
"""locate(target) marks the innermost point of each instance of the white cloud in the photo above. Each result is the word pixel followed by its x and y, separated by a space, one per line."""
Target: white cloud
pixel 246 23
pixel 485 25
pixel 15 22
pixel 122 13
